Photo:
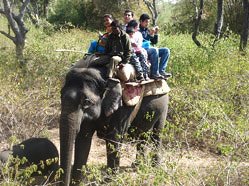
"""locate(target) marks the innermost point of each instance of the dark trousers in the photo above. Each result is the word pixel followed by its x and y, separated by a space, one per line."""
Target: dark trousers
pixel 110 62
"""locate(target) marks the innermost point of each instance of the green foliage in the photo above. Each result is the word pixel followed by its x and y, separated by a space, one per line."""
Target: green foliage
pixel 89 14
pixel 18 171
pixel 79 13
pixel 208 106
pixel 209 95
pixel 183 15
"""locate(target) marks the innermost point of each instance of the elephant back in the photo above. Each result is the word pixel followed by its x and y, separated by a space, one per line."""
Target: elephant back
pixel 132 92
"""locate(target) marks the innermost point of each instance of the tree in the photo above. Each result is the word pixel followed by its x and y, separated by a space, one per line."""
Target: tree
pixel 198 14
pixel 219 21
pixel 16 24
pixel 244 33
pixel 153 10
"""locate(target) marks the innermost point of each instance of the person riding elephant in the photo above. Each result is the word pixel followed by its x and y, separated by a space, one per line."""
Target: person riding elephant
pixel 87 106
pixel 117 51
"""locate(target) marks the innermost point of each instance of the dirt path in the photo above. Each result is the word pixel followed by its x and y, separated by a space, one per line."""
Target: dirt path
pixel 98 150
pixel 193 158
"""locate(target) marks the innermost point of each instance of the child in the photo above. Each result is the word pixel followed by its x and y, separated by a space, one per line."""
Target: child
pixel 139 56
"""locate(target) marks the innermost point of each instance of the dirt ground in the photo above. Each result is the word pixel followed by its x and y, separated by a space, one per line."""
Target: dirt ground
pixel 193 159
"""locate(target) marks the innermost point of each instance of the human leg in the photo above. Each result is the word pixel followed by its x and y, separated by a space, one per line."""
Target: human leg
pixel 144 65
pixel 114 61
pixel 164 54
pixel 153 57
pixel 100 61
pixel 134 60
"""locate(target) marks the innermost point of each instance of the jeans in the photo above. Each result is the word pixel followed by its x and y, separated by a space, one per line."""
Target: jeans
pixel 154 54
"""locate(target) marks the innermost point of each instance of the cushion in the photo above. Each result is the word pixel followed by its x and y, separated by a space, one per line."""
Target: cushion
pixel 132 93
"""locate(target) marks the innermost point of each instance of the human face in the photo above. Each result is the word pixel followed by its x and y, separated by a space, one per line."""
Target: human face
pixel 115 30
pixel 107 21
pixel 145 23
pixel 128 17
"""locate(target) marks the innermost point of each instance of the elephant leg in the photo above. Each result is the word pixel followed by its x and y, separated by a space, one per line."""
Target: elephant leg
pixel 157 141
pixel 82 149
pixel 140 155
pixel 113 156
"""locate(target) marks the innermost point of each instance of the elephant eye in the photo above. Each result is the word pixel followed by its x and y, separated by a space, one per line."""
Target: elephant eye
pixel 86 103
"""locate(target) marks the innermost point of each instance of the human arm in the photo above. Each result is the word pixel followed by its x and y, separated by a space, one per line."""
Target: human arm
pixel 154 35
pixel 108 46
pixel 127 49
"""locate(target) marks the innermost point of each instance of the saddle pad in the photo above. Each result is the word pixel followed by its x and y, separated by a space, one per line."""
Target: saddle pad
pixel 131 94
pixel 156 88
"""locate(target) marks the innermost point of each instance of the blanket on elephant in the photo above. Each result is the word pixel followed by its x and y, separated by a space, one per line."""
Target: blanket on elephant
pixel 131 94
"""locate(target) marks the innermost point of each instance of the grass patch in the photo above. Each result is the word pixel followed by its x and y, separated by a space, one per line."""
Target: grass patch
pixel 209 105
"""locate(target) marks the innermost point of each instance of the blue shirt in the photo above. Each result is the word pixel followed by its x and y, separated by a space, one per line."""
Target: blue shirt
pixel 146 35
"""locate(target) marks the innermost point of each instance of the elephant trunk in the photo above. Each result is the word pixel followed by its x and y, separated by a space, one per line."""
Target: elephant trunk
pixel 69 123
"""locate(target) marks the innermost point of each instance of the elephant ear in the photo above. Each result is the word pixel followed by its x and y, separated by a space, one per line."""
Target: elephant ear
pixel 112 98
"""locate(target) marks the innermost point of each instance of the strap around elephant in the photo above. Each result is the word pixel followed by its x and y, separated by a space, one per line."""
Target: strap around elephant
pixel 136 109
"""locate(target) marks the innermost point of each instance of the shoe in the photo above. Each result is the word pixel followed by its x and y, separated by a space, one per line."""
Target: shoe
pixel 140 78
pixel 146 77
pixel 156 76
pixel 165 74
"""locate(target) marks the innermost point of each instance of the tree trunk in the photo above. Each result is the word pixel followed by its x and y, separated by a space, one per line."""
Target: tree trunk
pixel 219 22
pixel 45 8
pixel 16 24
pixel 19 53
pixel 197 22
pixel 244 33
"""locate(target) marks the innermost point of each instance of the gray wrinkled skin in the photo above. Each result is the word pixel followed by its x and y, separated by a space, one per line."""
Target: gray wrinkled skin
pixel 100 105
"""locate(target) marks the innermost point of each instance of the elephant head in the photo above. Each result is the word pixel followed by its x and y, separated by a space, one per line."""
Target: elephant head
pixel 85 97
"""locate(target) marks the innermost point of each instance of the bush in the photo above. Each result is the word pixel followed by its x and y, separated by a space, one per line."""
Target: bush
pixel 208 106
pixel 209 95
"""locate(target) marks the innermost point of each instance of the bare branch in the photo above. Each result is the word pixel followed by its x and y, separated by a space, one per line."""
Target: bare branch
pixel 197 23
pixel 9 16
pixel 2 11
pixel 16 23
pixel 23 8
pixel 219 21
pixel 153 10
pixel 8 36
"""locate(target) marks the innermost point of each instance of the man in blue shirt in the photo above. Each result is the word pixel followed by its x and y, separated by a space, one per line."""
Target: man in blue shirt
pixel 157 67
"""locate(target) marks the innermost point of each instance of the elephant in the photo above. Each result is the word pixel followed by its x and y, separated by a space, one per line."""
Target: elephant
pixel 35 150
pixel 90 102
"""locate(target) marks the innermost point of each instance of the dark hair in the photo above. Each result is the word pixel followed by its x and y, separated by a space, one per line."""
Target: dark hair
pixel 129 11
pixel 115 23
pixel 108 16
pixel 143 17
pixel 130 30
pixel 133 23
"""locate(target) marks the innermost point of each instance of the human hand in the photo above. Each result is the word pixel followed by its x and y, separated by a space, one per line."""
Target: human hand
pixel 133 44
pixel 156 29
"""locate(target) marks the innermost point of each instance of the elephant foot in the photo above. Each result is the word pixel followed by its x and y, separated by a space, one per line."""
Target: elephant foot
pixel 77 177
pixel 156 161
pixel 140 159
